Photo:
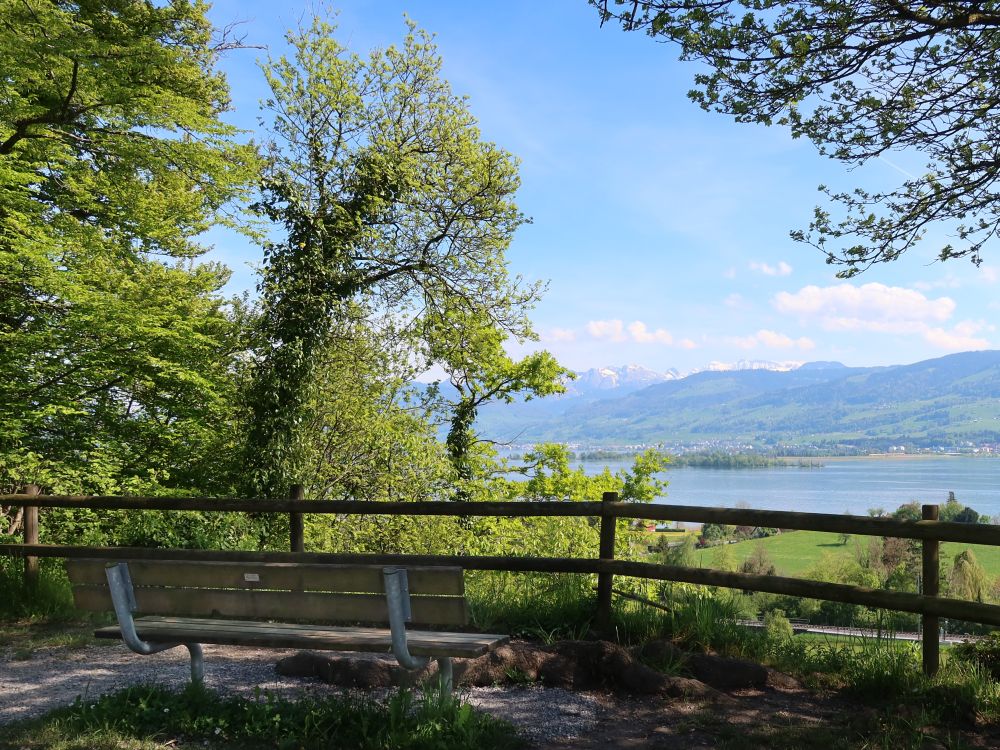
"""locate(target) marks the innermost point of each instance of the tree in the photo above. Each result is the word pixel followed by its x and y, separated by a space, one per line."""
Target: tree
pixel 968 579
pixel 910 511
pixel 758 563
pixel 116 349
pixel 389 201
pixel 859 79
pixel 470 348
pixel 369 433
pixel 714 532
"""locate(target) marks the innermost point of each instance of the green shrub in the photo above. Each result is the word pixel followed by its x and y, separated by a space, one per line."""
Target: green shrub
pixel 777 628
pixel 50 599
pixel 984 653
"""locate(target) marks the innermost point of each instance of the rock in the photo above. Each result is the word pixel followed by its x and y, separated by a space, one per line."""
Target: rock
pixel 511 663
pixel 686 687
pixel 659 652
pixel 782 681
pixel 724 673
pixel 302 664
pixel 572 665
pixel 359 672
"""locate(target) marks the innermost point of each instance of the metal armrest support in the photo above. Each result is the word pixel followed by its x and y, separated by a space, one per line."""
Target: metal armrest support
pixel 397 596
pixel 123 597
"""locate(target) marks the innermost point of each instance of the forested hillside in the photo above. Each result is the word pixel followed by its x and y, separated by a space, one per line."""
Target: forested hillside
pixel 939 401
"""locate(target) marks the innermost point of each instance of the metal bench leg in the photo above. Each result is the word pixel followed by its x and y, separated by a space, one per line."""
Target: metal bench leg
pixel 123 597
pixel 446 674
pixel 197 663
pixel 397 598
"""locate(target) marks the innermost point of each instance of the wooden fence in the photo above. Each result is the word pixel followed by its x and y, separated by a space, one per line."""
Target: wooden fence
pixel 930 531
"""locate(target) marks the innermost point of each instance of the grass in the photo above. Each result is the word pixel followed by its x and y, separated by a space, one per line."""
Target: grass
pixel 795 553
pixel 146 717
pixel 26 636
pixel 50 599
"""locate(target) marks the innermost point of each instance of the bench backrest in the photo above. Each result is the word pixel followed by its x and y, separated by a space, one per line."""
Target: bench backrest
pixel 273 591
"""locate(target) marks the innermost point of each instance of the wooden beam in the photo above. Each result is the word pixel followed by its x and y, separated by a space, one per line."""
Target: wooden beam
pixel 605 581
pixel 967 533
pixel 296 522
pixel 30 521
pixel 930 578
pixel 440 581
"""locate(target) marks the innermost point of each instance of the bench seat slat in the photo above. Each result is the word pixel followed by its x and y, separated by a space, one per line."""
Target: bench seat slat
pixel 289 635
pixel 276 605
pixel 447 581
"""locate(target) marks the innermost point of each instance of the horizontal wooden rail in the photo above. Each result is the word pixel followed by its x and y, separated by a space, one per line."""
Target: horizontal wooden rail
pixel 338 507
pixel 956 609
pixel 944 531
pixel 967 533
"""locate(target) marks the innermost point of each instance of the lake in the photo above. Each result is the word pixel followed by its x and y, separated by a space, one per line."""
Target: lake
pixel 840 485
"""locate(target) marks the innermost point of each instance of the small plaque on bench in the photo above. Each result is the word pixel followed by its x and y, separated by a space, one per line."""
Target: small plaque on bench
pixel 251 577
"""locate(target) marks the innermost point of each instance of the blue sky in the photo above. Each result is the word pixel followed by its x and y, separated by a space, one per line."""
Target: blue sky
pixel 661 229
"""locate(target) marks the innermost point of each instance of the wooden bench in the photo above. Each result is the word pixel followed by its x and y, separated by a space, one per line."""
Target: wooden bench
pixel 277 605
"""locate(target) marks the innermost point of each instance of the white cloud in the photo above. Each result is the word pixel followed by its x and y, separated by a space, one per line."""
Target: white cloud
pixel 955 339
pixel 636 332
pixel 730 273
pixel 642 335
pixel 989 274
pixel 848 306
pixel 771 340
pixel 612 330
pixel 559 334
pixel 782 269
pixel 878 308
pixel 687 344
pixel 733 300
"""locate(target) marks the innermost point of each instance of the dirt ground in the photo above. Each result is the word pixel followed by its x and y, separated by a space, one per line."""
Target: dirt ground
pixel 769 718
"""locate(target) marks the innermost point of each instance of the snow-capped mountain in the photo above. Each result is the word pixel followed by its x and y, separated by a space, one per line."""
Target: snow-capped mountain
pixel 747 364
pixel 620 379
pixel 605 382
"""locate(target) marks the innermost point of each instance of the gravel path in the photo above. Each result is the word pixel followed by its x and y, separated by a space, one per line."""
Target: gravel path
pixel 56 676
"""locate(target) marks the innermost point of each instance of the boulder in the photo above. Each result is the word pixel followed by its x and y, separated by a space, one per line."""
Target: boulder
pixel 724 673
pixel 352 671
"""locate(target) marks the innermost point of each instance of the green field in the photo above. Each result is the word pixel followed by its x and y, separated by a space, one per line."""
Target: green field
pixel 794 553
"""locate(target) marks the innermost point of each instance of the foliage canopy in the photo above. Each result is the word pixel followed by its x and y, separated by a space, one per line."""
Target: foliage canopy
pixel 115 347
pixel 858 79
pixel 390 209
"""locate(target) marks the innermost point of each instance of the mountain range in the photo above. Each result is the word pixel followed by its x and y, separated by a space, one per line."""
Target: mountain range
pixel 944 402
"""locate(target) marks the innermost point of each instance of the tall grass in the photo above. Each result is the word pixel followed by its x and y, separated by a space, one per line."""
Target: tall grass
pixel 538 606
pixel 50 599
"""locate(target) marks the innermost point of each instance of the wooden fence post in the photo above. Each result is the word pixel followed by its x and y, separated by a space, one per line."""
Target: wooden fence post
pixel 605 581
pixel 30 525
pixel 931 578
pixel 296 522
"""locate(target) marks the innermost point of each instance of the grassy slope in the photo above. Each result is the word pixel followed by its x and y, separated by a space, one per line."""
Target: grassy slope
pixel 795 553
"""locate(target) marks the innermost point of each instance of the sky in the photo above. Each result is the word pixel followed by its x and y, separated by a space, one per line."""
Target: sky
pixel 660 229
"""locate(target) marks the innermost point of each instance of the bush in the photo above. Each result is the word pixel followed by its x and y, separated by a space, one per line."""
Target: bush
pixel 51 598
pixel 984 653
pixel 777 627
